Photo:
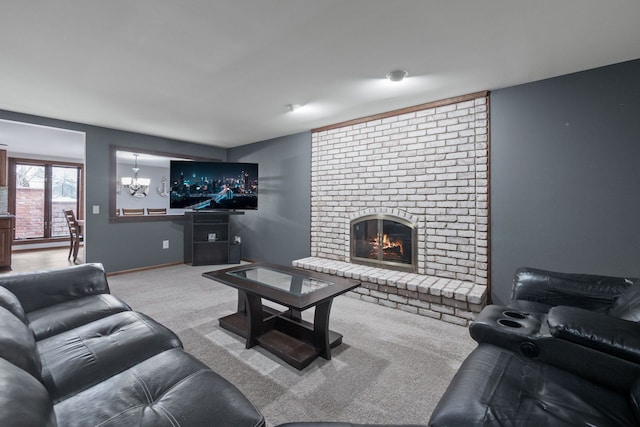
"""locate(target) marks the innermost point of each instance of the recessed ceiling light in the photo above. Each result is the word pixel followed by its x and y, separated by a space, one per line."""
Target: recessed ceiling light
pixel 397 75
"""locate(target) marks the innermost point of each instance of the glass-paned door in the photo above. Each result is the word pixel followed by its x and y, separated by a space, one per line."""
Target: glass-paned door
pixel 30 202
pixel 365 239
pixel 42 190
pixel 64 196
pixel 384 240
pixel 396 242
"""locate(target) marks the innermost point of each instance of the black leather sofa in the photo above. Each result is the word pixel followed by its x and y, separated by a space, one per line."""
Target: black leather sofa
pixel 72 354
pixel 564 352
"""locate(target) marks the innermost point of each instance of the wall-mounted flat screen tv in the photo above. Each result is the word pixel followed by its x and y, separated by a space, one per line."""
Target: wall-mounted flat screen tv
pixel 201 185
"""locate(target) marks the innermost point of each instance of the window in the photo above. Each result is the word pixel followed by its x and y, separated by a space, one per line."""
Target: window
pixel 39 191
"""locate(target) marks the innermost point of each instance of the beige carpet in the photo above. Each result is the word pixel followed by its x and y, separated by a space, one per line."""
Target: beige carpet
pixel 391 368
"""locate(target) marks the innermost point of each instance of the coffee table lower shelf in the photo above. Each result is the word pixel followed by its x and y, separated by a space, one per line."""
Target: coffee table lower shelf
pixel 292 340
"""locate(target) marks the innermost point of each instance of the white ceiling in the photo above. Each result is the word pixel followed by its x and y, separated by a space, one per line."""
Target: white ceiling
pixel 222 72
pixel 31 141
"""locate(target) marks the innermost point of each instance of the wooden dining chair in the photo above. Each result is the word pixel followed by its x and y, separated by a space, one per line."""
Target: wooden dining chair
pixel 156 211
pixel 132 212
pixel 75 234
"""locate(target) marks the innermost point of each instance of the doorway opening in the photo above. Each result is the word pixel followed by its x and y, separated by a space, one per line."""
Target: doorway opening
pixel 47 162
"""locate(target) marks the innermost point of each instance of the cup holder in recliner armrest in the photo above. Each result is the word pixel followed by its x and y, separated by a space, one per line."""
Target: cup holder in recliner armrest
pixel 509 323
pixel 506 327
pixel 515 314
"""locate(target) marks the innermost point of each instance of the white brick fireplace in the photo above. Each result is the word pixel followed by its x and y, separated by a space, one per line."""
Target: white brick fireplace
pixel 428 164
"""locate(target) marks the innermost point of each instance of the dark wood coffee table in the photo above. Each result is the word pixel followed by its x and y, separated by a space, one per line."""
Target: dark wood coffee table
pixel 284 333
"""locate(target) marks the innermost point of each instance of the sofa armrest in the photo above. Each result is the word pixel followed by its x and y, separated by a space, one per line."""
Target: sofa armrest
pixel 41 289
pixel 587 291
pixel 601 332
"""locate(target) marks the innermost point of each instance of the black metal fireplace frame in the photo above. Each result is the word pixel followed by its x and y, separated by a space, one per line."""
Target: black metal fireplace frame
pixel 410 268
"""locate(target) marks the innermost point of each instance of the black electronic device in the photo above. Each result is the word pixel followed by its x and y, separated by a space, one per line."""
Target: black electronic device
pixel 200 185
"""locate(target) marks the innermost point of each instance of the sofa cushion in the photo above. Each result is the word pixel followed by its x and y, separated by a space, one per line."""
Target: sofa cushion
pixel 23 399
pixel 84 356
pixel 496 387
pixel 17 344
pixel 9 301
pixel 58 318
pixel 169 389
pixel 627 306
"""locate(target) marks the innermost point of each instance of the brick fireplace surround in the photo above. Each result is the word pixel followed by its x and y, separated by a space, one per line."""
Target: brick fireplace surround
pixel 426 164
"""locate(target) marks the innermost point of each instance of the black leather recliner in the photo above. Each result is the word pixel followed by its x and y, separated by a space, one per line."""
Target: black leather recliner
pixel 585 324
pixel 71 354
pixel 564 351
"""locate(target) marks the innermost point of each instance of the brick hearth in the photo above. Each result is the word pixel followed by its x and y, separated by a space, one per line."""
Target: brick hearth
pixel 451 300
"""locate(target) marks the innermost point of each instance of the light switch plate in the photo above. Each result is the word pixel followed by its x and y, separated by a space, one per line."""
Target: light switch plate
pixel 96 209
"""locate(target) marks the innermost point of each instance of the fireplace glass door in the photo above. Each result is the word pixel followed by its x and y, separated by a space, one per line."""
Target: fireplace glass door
pixel 383 241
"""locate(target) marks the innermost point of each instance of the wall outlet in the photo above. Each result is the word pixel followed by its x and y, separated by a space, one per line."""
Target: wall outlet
pixel 165 244
pixel 96 209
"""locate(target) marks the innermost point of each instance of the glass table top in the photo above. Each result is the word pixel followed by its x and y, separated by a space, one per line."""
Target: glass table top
pixel 292 283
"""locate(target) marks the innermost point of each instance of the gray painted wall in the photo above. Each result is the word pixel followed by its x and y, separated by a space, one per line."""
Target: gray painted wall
pixel 123 246
pixel 279 231
pixel 565 181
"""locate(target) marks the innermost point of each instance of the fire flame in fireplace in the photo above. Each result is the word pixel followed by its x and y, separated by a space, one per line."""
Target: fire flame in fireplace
pixel 388 245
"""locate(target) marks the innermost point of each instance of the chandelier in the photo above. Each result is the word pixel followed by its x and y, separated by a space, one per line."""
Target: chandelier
pixel 138 187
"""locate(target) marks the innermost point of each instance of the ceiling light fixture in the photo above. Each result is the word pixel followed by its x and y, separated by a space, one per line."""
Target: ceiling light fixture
pixel 294 107
pixel 397 75
pixel 138 187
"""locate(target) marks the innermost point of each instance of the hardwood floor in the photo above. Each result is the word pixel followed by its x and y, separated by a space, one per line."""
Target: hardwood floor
pixel 23 261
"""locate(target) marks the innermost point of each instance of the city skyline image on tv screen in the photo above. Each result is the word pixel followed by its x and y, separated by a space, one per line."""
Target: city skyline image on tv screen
pixel 213 185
